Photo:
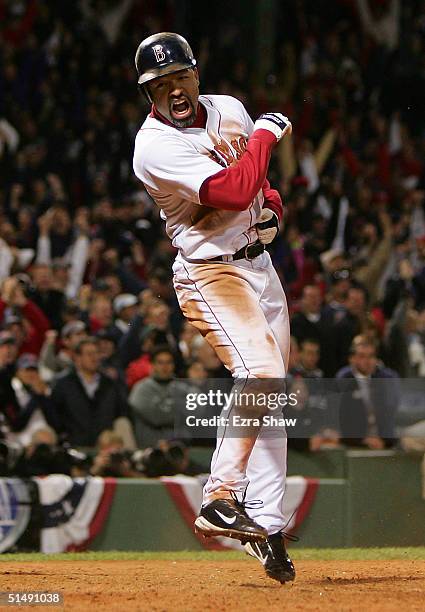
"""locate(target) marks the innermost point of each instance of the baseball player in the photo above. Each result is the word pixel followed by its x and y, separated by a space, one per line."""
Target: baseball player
pixel 205 162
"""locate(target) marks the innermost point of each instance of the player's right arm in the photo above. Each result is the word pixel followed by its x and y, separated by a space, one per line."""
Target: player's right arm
pixel 173 165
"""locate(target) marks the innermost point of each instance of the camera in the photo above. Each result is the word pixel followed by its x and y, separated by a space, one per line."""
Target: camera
pixel 166 459
pixel 46 459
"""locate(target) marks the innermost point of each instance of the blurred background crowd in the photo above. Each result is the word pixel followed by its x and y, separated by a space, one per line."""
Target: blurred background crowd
pixel 93 348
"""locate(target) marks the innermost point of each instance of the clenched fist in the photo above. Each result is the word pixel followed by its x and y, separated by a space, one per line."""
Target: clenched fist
pixel 268 226
pixel 276 123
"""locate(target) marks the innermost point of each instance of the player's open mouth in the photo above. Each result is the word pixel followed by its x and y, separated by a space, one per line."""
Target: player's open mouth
pixel 181 109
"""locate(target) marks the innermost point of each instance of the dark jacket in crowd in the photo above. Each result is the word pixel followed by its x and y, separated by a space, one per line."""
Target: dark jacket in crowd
pixel 344 332
pixel 384 398
pixel 79 418
pixel 322 332
pixel 51 303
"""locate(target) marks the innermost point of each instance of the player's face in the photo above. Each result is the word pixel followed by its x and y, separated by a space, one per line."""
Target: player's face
pixel 176 96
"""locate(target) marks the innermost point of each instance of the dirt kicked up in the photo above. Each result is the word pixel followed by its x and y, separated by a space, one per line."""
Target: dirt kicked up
pixel 240 585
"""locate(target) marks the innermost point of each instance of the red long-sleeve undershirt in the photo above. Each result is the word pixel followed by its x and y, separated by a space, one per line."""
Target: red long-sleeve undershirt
pixel 234 188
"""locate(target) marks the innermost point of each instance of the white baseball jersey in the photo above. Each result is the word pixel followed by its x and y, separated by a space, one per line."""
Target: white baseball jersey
pixel 173 163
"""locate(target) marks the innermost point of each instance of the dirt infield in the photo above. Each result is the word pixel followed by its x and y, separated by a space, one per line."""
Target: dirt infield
pixel 162 585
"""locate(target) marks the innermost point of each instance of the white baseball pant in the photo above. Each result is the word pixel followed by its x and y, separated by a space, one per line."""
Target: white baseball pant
pixel 240 308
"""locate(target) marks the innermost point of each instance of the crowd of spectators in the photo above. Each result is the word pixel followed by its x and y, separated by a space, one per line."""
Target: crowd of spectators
pixel 92 339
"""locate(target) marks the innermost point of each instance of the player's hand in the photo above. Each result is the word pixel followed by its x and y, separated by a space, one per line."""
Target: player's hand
pixel 267 227
pixel 276 123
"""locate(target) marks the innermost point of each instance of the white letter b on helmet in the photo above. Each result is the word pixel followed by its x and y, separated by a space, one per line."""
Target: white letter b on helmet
pixel 159 53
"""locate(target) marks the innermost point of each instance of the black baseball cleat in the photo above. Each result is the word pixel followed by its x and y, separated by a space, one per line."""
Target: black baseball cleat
pixel 227 517
pixel 273 557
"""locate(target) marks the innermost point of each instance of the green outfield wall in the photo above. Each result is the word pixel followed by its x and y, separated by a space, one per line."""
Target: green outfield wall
pixel 363 499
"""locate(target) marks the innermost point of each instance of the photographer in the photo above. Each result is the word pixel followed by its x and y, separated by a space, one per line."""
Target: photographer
pixel 112 458
pixel 43 456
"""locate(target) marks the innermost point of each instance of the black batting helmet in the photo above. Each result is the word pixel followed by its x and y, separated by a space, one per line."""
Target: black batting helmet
pixel 161 54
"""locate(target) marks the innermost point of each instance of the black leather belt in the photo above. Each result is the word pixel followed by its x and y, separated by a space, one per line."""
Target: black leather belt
pixel 251 251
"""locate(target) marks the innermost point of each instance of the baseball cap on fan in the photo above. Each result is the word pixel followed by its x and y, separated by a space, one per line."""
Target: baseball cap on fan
pixel 27 361
pixel 6 338
pixel 124 300
pixel 73 327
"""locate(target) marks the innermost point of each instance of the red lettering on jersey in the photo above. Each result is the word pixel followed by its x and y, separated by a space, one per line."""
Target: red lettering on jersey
pixel 224 150
pixel 230 155
pixel 239 144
